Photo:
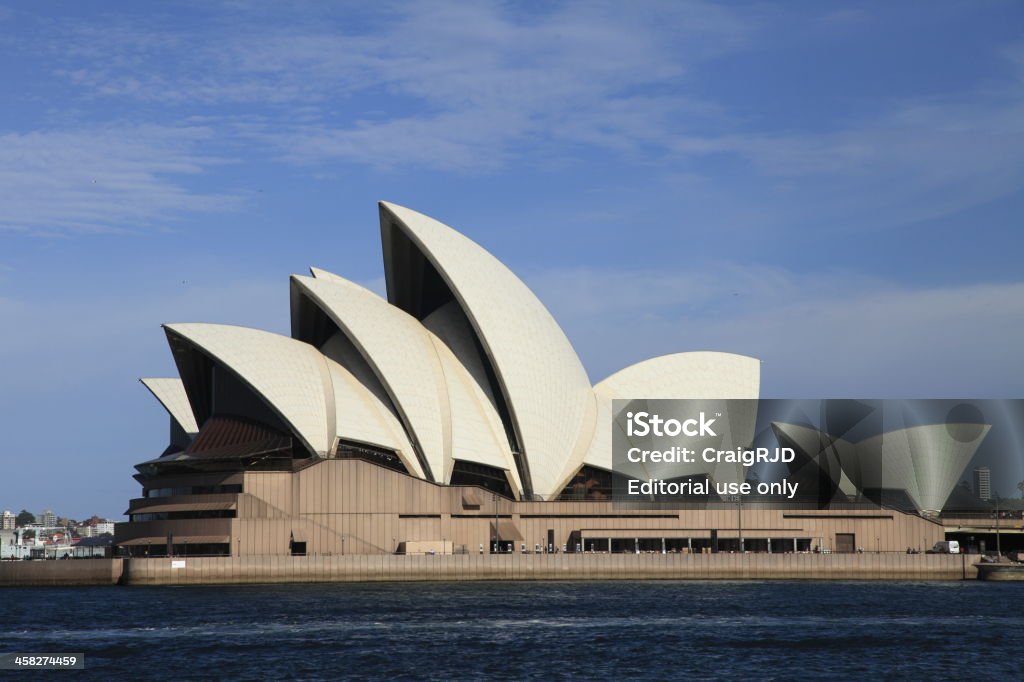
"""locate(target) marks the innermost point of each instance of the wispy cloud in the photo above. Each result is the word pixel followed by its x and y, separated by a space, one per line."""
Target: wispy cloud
pixel 103 179
pixel 916 161
pixel 465 86
pixel 489 86
pixel 825 335
pixel 481 87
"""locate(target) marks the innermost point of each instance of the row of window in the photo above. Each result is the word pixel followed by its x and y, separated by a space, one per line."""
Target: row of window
pixel 181 550
pixel 178 515
pixel 192 490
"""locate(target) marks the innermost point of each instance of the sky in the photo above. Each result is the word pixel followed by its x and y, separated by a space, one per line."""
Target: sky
pixel 835 189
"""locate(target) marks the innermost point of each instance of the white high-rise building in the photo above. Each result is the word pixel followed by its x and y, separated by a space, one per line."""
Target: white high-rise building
pixel 983 483
pixel 101 528
pixel 8 521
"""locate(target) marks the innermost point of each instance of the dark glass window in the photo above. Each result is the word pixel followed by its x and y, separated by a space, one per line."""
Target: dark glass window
pixel 178 515
pixel 491 478
pixel 192 490
pixel 179 550
pixel 368 453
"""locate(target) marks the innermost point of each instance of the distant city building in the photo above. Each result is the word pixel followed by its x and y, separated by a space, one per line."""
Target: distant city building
pixel 48 518
pixel 13 545
pixel 983 483
pixel 101 528
pixel 8 521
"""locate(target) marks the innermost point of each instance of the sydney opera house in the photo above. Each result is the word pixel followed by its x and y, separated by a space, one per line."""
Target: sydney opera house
pixel 455 416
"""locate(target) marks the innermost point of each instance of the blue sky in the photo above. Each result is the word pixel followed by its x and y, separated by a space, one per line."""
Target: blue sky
pixel 838 190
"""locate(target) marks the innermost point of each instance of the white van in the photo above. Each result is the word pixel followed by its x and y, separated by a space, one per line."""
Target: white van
pixel 947 547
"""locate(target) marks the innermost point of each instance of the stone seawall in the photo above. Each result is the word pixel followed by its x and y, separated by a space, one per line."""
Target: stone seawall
pixel 368 568
pixel 60 572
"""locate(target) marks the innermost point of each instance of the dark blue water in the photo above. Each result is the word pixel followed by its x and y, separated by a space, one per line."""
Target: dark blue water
pixel 591 630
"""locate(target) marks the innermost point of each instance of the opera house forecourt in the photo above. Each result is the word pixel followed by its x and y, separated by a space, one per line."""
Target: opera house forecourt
pixel 455 418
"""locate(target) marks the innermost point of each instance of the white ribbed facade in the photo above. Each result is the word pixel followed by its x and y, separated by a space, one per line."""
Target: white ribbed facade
pixel 461 367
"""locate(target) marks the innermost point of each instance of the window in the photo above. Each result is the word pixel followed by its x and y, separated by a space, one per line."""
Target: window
pixel 177 515
pixel 192 490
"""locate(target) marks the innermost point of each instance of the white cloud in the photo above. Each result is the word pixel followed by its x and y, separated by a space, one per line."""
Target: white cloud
pixel 487 85
pixel 469 84
pixel 102 179
pixel 823 335
pixel 919 160
pixel 479 87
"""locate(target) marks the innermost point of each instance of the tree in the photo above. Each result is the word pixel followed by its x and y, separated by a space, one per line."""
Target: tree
pixel 24 518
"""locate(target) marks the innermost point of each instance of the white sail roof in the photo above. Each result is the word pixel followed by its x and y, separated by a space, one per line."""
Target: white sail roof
pixel 171 394
pixel 291 377
pixel 362 417
pixel 830 451
pixel 926 461
pixel 422 376
pixel 477 433
pixel 401 352
pixel 697 375
pixel 545 387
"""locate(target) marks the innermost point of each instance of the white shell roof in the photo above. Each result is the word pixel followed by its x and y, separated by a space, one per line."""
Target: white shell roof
pixel 451 326
pixel 426 390
pixel 171 394
pixel 545 385
pixel 926 461
pixel 327 275
pixel 422 375
pixel 402 355
pixel 477 433
pixel 361 416
pixel 292 377
pixel 815 442
pixel 697 375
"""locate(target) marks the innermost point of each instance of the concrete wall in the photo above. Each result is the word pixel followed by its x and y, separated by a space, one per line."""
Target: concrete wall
pixel 53 573
pixel 343 506
pixel 353 568
pixel 369 568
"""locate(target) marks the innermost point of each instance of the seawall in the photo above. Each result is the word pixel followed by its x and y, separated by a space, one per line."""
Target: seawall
pixel 61 572
pixel 379 568
pixel 369 568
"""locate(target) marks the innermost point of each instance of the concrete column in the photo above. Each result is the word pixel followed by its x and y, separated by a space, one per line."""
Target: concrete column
pixel 769 545
pixel 609 545
pixel 794 545
pixel 663 550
